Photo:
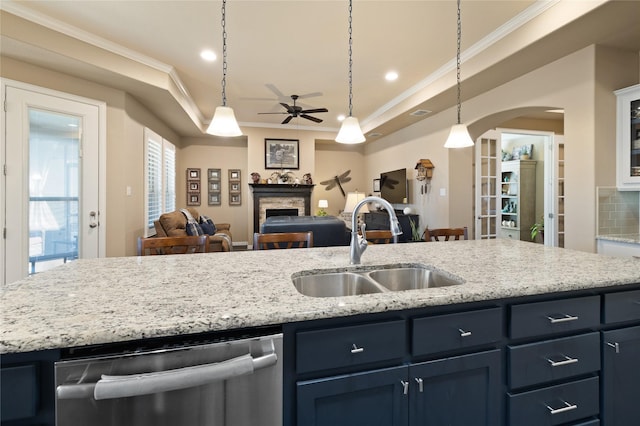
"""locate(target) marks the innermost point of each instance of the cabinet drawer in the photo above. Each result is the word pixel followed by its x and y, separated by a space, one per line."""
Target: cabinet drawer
pixel 21 383
pixel 556 316
pixel 509 233
pixel 455 331
pixel 553 359
pixel 350 346
pixel 622 306
pixel 556 404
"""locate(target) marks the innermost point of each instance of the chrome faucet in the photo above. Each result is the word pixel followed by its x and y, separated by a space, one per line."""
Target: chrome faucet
pixel 359 243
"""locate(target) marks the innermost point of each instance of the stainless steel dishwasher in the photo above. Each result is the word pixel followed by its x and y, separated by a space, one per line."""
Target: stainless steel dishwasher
pixel 226 383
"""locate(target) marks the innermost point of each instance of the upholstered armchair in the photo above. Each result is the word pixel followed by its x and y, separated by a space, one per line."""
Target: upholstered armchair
pixel 174 224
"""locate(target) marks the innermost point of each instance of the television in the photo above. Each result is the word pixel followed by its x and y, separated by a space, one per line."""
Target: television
pixel 393 186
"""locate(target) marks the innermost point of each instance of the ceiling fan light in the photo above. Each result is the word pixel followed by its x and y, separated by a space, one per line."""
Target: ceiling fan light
pixel 350 132
pixel 224 123
pixel 458 137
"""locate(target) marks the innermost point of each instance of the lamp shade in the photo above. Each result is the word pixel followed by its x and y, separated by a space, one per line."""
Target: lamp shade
pixel 350 132
pixel 353 198
pixel 458 137
pixel 323 204
pixel 224 123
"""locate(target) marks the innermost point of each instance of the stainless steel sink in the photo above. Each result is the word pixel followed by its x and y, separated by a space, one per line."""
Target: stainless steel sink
pixel 335 284
pixel 367 281
pixel 400 279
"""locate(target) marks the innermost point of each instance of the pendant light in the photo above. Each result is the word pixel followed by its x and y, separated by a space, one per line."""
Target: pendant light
pixel 224 120
pixel 350 132
pixel 459 135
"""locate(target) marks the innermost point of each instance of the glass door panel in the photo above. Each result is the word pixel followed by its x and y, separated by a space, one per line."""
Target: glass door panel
pixel 54 141
pixel 487 188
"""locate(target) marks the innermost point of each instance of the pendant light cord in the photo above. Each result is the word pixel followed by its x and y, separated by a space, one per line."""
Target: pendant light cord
pixel 458 62
pixel 224 53
pixel 350 60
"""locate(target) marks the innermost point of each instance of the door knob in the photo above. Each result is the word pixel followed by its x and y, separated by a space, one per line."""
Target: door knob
pixel 93 222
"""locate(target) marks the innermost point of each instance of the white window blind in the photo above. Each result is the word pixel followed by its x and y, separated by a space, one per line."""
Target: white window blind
pixel 160 182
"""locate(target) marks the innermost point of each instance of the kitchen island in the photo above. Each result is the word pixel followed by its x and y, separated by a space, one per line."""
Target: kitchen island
pixel 104 301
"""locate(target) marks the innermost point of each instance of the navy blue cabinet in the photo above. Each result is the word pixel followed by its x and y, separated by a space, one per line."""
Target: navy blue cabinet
pixel 368 398
pixel 621 377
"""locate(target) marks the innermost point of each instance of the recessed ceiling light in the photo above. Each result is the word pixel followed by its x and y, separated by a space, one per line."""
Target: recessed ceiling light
pixel 208 55
pixel 391 76
pixel 341 117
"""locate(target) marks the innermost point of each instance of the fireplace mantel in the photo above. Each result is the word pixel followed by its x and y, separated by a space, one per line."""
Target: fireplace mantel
pixel 262 191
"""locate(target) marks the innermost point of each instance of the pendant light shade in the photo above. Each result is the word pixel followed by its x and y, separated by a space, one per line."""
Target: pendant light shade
pixel 459 135
pixel 350 132
pixel 224 120
pixel 224 123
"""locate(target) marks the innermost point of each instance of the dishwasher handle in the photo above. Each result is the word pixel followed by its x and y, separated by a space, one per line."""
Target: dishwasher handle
pixel 112 387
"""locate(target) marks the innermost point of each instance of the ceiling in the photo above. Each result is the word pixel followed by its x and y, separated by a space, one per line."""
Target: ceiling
pixel 280 48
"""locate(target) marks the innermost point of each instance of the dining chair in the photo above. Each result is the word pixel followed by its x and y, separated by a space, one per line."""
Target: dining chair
pixel 282 240
pixel 172 245
pixel 446 234
pixel 379 236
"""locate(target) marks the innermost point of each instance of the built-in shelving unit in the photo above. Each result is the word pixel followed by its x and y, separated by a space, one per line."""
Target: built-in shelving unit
pixel 628 138
pixel 518 199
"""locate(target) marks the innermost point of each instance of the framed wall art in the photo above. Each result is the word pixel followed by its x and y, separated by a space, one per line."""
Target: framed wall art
pixel 281 154
pixel 193 187
pixel 235 197
pixel 193 199
pixel 214 187
pixel 234 175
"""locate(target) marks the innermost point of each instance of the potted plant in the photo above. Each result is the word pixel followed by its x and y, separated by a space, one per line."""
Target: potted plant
pixel 416 235
pixel 537 228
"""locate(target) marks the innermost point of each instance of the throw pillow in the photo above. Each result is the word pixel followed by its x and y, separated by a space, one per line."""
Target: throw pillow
pixel 193 228
pixel 207 225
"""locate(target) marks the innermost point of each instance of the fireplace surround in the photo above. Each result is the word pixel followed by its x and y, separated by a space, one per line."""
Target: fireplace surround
pixel 279 196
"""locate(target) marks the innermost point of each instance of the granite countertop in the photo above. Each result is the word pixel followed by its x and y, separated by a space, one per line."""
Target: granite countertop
pixel 106 300
pixel 621 238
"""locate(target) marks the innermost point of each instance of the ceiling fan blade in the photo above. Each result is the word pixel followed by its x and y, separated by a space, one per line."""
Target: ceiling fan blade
pixel 310 95
pixel 312 111
pixel 308 117
pixel 290 109
pixel 286 120
pixel 273 112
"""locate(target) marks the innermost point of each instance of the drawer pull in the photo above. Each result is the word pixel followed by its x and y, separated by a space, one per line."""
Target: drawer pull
pixel 420 384
pixel 464 333
pixel 567 407
pixel 566 361
pixel 565 318
pixel 615 346
pixel 356 350
pixel 405 387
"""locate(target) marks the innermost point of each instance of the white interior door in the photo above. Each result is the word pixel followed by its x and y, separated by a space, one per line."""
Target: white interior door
pixel 488 161
pixel 52 190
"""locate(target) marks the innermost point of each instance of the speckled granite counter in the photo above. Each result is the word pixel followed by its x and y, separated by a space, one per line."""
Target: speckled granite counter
pixel 118 299
pixel 621 238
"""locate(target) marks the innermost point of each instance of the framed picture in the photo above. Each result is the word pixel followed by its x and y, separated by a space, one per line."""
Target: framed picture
pixel 234 175
pixel 193 199
pixel 234 187
pixel 214 199
pixel 193 174
pixel 281 154
pixel 376 185
pixel 235 199
pixel 214 174
pixel 214 186
pixel 193 186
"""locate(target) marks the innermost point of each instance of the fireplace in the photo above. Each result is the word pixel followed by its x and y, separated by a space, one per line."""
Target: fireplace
pixel 294 199
pixel 280 212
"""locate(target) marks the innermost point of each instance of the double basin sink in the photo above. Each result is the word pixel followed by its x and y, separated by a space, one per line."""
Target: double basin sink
pixel 380 279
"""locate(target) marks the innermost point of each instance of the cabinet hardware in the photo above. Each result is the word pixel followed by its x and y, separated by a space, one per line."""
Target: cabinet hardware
pixel 566 361
pixel 615 346
pixel 420 384
pixel 567 407
pixel 405 387
pixel 464 333
pixel 565 318
pixel 356 350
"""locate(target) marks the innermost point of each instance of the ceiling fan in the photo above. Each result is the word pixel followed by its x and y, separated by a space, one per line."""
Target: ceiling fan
pixel 297 111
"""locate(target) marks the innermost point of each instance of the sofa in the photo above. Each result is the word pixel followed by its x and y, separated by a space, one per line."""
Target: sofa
pixel 327 230
pixel 173 224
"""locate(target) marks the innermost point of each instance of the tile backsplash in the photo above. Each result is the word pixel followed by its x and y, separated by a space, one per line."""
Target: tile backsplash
pixel 618 211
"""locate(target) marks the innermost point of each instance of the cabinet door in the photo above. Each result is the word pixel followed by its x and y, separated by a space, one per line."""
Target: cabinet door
pixel 459 391
pixel 372 398
pixel 621 377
